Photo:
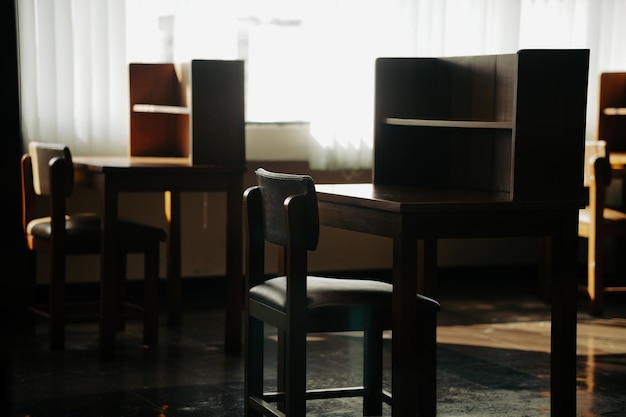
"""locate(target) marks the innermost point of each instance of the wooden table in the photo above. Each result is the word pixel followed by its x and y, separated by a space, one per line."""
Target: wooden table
pixel 415 218
pixel 115 175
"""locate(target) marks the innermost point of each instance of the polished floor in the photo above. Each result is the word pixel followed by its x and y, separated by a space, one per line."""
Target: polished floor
pixel 493 360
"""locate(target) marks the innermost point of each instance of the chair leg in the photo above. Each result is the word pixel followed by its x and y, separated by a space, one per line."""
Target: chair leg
pixel 295 375
pixel 31 287
pixel 373 369
pixel 427 362
pixel 544 268
pixel 151 295
pixel 57 300
pixel 595 275
pixel 281 366
pixel 253 356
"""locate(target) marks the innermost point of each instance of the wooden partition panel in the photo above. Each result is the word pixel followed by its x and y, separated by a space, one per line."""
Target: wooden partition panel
pixel 511 123
pixel 217 120
pixel 159 111
pixel 193 110
pixel 549 132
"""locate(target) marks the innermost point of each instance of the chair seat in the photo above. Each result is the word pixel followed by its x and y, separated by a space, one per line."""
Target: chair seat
pixel 83 231
pixel 330 293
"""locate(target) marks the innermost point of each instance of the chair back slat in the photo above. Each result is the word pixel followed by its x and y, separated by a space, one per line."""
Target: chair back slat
pixel 29 197
pixel 275 189
pixel 42 155
pixel 595 149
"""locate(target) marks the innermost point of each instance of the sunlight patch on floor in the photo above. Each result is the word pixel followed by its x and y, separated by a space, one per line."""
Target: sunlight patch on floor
pixel 597 336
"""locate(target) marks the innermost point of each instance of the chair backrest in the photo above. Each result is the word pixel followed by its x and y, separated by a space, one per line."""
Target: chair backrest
pixel 42 155
pixel 597 177
pixel 47 175
pixel 275 189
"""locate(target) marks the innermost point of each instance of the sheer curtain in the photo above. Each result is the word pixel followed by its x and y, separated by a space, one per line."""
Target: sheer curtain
pixel 73 76
pixel 74 56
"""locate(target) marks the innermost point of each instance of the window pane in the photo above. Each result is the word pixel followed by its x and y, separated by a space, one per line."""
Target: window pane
pixel 269 39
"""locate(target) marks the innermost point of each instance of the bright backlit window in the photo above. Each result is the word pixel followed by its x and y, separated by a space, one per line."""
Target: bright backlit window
pixel 268 36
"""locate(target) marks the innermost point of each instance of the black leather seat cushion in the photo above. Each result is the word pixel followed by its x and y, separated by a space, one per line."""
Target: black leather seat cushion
pixel 326 292
pixel 337 303
pixel 331 292
pixel 84 230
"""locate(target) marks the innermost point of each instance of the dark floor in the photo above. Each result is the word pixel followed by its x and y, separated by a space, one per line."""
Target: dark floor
pixel 493 360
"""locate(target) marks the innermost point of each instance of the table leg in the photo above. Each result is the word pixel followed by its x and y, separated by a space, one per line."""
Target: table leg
pixel 427 267
pixel 426 331
pixel 404 344
pixel 109 272
pixel 234 266
pixel 564 295
pixel 174 257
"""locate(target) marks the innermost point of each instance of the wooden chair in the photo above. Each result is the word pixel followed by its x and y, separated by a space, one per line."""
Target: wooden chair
pixel 47 181
pixel 597 223
pixel 282 210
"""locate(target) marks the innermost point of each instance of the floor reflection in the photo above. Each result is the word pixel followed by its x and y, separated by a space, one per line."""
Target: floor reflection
pixel 493 360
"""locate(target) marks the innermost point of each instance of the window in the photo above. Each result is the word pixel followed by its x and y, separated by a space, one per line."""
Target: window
pixel 306 60
pixel 267 35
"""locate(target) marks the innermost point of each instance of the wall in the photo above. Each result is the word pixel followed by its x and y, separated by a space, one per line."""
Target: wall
pixel 204 227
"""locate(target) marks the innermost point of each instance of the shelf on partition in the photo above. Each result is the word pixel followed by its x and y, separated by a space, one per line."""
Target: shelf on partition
pixel 450 123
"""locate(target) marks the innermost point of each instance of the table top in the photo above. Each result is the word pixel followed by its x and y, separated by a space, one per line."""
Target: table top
pixel 106 163
pixel 131 174
pixel 398 198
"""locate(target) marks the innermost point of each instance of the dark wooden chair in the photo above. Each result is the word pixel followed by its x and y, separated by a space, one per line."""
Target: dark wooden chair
pixel 47 182
pixel 282 210
pixel 598 223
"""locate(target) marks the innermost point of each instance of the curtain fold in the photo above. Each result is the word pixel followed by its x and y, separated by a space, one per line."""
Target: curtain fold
pixel 73 79
pixel 74 57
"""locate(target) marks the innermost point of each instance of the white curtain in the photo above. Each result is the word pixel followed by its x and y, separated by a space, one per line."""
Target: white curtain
pixel 73 81
pixel 74 56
